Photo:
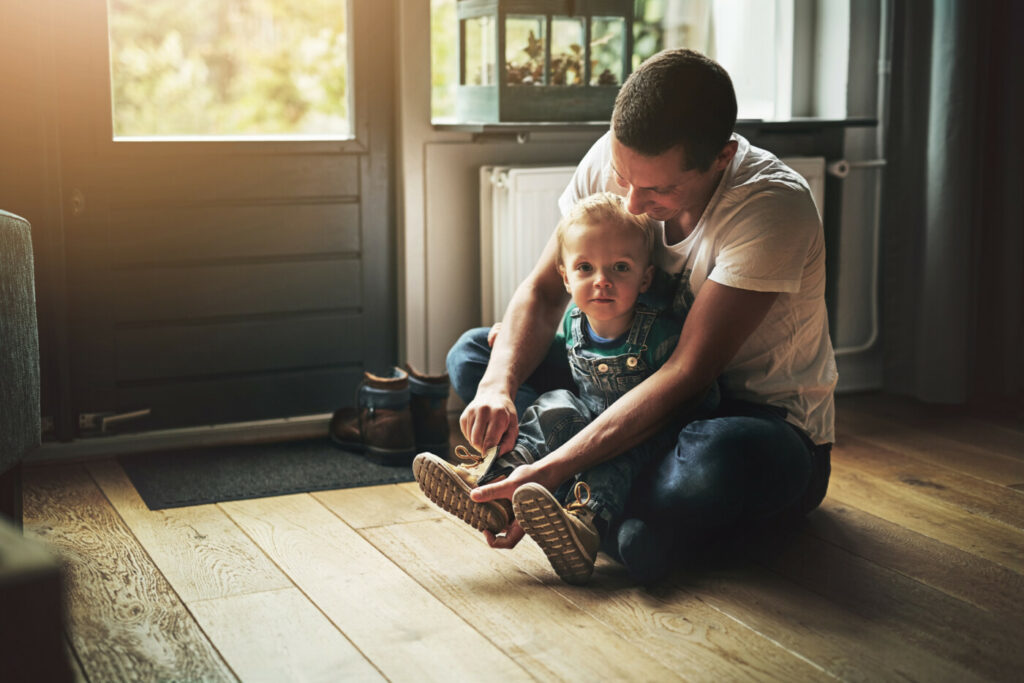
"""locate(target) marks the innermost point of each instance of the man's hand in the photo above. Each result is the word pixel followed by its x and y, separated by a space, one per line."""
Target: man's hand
pixel 490 420
pixel 507 539
pixel 504 488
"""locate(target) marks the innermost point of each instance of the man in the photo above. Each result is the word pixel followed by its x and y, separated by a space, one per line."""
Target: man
pixel 742 236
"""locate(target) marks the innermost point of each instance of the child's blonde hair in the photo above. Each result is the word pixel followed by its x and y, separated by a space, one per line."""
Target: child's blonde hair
pixel 605 207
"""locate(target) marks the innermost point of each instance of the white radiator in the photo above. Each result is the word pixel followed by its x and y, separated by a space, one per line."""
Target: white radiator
pixel 519 211
pixel 518 214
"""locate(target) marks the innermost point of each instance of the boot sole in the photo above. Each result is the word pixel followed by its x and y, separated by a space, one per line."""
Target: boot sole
pixel 444 488
pixel 545 520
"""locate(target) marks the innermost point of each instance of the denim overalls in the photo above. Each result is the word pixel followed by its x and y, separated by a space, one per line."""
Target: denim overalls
pixel 602 380
pixel 556 416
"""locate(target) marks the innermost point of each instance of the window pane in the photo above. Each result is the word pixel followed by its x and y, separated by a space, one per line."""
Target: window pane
pixel 229 68
pixel 744 36
pixel 607 43
pixel 567 51
pixel 444 58
pixel 480 35
pixel 524 50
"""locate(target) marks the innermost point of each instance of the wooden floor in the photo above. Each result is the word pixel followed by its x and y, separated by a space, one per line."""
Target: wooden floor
pixel 912 569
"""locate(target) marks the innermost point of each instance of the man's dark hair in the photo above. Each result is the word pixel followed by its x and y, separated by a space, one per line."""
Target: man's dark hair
pixel 677 97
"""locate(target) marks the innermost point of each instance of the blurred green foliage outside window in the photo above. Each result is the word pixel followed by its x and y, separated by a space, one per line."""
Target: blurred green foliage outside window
pixel 229 68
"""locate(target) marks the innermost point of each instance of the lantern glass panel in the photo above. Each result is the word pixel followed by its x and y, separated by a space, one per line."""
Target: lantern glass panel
pixel 524 49
pixel 480 38
pixel 567 60
pixel 607 45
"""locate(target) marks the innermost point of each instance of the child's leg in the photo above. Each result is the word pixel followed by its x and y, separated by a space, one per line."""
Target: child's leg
pixel 554 418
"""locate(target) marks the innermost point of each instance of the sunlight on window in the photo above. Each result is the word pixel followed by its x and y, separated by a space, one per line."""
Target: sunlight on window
pixel 444 59
pixel 752 39
pixel 261 69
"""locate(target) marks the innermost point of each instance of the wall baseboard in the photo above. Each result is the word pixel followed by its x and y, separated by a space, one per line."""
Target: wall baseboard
pixel 237 433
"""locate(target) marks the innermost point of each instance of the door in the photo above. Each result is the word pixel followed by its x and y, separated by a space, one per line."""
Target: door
pixel 225 279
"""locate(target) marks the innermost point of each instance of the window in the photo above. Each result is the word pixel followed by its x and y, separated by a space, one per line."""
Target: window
pixel 444 59
pixel 752 39
pixel 765 45
pixel 234 69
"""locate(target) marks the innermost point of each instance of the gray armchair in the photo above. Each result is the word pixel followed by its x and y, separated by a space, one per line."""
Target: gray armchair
pixel 19 359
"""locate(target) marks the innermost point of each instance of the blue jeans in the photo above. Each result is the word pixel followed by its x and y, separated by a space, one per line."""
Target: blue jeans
pixel 468 358
pixel 742 465
pixel 558 415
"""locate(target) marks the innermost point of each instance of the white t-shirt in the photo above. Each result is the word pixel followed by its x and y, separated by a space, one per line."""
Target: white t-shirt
pixel 760 231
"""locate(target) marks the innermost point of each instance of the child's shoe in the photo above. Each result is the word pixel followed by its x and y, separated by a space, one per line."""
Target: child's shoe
pixel 448 487
pixel 567 535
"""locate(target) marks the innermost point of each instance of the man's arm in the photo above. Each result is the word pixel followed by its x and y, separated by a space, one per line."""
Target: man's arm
pixel 722 318
pixel 526 333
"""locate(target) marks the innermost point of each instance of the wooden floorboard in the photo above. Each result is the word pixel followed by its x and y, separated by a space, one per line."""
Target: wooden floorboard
pixel 950 629
pixel 843 643
pixel 923 479
pixel 952 428
pixel 956 572
pixel 912 569
pixel 77 675
pixel 550 636
pixel 914 509
pixel 998 465
pixel 397 624
pixel 682 632
pixel 125 621
pixel 264 627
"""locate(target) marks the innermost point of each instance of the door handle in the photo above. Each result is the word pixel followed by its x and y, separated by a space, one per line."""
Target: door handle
pixel 107 420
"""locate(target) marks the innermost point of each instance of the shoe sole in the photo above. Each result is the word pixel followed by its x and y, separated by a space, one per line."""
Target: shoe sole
pixel 544 519
pixel 448 491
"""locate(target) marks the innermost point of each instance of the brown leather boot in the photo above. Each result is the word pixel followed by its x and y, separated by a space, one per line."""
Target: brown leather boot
pixel 429 405
pixel 380 426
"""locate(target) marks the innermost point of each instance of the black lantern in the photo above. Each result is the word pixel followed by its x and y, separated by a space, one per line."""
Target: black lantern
pixel 542 60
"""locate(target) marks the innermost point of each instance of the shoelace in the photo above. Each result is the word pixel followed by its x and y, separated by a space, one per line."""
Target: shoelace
pixel 471 459
pixel 582 493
